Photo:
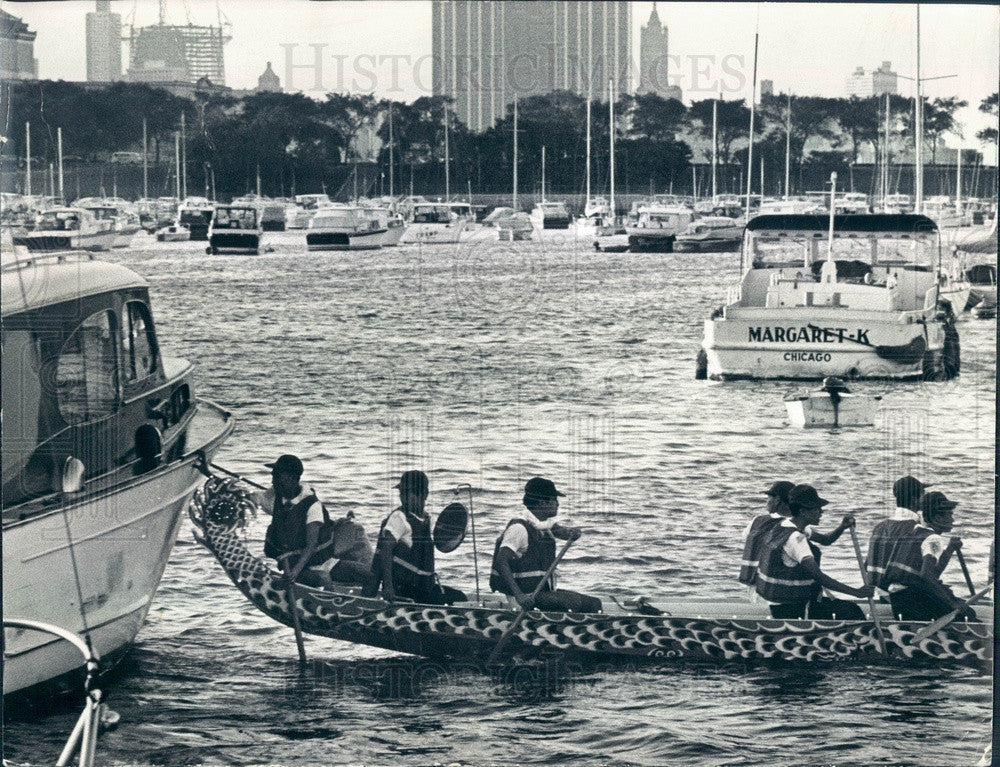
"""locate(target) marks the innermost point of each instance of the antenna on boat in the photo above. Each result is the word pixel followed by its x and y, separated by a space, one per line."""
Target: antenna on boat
pixel 833 209
pixel 753 103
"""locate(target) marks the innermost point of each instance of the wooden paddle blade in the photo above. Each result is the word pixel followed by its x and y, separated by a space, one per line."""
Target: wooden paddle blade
pixel 449 530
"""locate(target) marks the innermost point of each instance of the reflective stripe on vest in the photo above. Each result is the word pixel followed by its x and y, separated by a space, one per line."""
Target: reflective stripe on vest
pixel 529 568
pixel 759 528
pixel 776 581
pixel 411 567
pixel 907 558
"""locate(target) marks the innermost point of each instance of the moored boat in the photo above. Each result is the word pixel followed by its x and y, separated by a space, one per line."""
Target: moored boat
pixel 173 233
pixel 102 442
pixel 550 215
pixel 68 229
pixel 676 630
pixel 348 227
pixel 870 308
pixel 832 406
pixel 440 223
pixel 235 229
pixel 711 234
pixel 656 226
pixel 195 213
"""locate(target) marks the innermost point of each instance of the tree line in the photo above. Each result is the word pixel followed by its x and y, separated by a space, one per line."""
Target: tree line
pixel 300 144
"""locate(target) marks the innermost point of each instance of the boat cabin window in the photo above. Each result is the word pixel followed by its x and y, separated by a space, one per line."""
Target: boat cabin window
pixel 87 370
pixel 805 248
pixel 438 214
pixel 236 218
pixel 139 342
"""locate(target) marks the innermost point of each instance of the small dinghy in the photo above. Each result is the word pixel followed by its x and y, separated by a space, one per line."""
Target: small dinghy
pixel 173 233
pixel 833 406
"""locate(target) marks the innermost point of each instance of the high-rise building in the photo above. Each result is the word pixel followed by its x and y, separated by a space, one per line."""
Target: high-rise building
pixel 884 80
pixel 876 83
pixel 654 65
pixel 177 53
pixel 767 87
pixel 269 82
pixel 17 49
pixel 104 44
pixel 485 53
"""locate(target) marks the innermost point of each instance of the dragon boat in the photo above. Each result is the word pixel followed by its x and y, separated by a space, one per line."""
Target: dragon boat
pixel 705 630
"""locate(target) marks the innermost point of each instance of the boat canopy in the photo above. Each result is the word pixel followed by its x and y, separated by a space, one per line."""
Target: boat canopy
pixel 896 223
pixel 65 278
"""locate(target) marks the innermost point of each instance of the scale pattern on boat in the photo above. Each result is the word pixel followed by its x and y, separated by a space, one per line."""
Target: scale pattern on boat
pixel 220 508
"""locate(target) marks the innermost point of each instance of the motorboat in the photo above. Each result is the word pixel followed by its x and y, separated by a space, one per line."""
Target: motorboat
pixel 438 223
pixel 121 218
pixel 272 212
pixel 235 229
pixel 897 203
pixel 852 203
pixel 195 213
pixel 711 234
pixel 869 307
pixel 793 206
pixel 305 208
pixel 611 237
pixel 942 210
pixel 492 630
pixel 511 226
pixel 550 215
pixel 348 227
pixel 832 406
pixel 104 439
pixel 656 226
pixel 173 233
pixel 68 229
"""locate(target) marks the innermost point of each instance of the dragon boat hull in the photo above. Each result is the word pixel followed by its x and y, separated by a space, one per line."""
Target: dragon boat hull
pixel 720 630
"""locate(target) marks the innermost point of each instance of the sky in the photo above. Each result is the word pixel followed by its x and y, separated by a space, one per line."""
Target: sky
pixel 804 48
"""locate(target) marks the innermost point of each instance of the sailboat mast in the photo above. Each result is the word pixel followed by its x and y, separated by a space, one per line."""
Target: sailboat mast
pixel 145 162
pixel 885 156
pixel 715 147
pixel 543 172
pixel 788 142
pixel 177 164
pixel 62 190
pixel 27 159
pixel 588 151
pixel 184 172
pixel 391 169
pixel 919 170
pixel 447 159
pixel 753 103
pixel 514 203
pixel 611 131
pixel 958 183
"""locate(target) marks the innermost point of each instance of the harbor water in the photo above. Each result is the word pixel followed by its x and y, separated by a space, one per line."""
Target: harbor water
pixel 488 363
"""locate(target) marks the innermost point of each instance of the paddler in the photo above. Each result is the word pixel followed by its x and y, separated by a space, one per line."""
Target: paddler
pixel 526 550
pixel 788 572
pixel 760 526
pixel 404 555
pixel 310 548
pixel 913 573
pixel 887 533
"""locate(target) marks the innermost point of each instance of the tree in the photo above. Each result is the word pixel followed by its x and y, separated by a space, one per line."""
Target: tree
pixel 939 118
pixel 733 123
pixel 654 117
pixel 989 105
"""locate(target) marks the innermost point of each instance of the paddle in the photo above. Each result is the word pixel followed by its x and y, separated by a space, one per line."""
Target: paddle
pixel 296 626
pixel 944 620
pixel 531 600
pixel 905 354
pixel 965 571
pixel 871 602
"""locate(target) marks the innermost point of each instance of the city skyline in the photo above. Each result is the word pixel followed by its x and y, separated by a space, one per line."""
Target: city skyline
pixel 385 47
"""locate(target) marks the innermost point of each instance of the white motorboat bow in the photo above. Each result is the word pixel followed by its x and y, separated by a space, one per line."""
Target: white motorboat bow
pixel 833 406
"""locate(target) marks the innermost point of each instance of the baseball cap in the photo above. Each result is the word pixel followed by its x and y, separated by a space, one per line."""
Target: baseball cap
pixel 908 489
pixel 935 501
pixel 414 480
pixel 780 489
pixel 805 497
pixel 539 487
pixel 287 464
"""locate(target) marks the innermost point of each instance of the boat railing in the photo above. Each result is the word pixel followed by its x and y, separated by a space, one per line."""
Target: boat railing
pixel 38 258
pixel 734 294
pixel 86 730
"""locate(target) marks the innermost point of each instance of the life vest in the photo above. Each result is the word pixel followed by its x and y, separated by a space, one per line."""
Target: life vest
pixel 776 581
pixel 759 528
pixel 885 538
pixel 287 531
pixel 907 559
pixel 528 569
pixel 412 566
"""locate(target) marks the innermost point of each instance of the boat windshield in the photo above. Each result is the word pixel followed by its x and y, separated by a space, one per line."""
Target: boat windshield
pixel 236 218
pixel 805 248
pixel 61 220
pixel 432 214
pixel 336 218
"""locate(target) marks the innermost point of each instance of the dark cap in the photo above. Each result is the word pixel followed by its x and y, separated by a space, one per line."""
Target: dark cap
pixel 539 487
pixel 935 501
pixel 907 490
pixel 413 480
pixel 805 497
pixel 287 464
pixel 780 490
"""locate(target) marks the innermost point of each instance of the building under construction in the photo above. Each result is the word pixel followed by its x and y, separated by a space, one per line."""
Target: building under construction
pixel 178 53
